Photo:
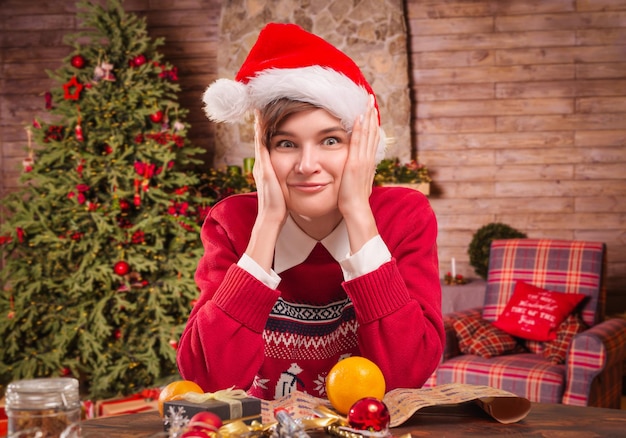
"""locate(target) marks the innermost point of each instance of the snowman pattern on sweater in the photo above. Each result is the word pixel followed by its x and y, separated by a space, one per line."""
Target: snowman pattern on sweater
pixel 302 343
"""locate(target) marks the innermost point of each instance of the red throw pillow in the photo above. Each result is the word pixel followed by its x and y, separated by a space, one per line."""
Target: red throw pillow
pixel 478 336
pixel 535 313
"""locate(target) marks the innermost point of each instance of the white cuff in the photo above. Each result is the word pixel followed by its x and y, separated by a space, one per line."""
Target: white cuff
pixel 370 257
pixel 271 280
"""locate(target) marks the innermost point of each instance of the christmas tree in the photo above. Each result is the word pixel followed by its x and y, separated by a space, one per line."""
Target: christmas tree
pixel 102 242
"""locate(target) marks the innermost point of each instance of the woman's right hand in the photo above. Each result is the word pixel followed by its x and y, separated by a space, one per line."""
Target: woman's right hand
pixel 270 196
pixel 272 211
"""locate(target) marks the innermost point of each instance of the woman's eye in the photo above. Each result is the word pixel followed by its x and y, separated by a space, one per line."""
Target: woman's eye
pixel 285 144
pixel 331 141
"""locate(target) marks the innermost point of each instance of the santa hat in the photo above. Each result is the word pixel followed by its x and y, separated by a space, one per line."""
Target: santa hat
pixel 288 62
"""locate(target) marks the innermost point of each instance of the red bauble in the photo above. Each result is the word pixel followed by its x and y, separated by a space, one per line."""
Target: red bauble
pixel 174 344
pixel 205 421
pixel 139 60
pixel 78 61
pixel 193 433
pixel 156 117
pixel 117 334
pixel 121 268
pixel 370 414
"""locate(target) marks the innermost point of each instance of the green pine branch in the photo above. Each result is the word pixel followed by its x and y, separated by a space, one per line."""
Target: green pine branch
pixel 109 185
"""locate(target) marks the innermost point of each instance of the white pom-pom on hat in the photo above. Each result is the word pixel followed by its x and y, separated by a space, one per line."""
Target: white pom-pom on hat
pixel 226 101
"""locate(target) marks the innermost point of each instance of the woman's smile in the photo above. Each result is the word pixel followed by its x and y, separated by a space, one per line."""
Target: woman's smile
pixel 308 187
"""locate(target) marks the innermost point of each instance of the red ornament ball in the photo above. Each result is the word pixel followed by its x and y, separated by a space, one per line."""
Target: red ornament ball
pixel 78 61
pixel 139 60
pixel 370 414
pixel 121 268
pixel 193 433
pixel 156 117
pixel 205 421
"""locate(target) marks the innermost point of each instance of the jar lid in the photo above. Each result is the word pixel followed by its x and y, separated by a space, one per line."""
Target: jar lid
pixel 45 393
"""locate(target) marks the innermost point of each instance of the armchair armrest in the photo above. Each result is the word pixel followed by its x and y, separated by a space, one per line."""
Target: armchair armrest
pixel 594 365
pixel 451 349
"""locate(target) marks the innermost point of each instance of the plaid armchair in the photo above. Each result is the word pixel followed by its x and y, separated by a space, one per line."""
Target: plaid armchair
pixel 592 354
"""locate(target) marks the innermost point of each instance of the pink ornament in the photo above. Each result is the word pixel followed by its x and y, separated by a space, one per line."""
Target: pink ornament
pixel 369 414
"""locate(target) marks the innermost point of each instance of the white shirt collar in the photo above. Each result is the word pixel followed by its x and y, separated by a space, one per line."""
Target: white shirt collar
pixel 294 245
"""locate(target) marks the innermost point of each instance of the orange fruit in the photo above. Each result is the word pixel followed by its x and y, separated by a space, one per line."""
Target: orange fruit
pixel 175 391
pixel 352 379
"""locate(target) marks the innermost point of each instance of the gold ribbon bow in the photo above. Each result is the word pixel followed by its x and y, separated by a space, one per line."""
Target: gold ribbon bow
pixel 230 396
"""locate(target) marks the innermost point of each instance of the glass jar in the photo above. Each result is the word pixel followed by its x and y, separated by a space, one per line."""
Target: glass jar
pixel 43 407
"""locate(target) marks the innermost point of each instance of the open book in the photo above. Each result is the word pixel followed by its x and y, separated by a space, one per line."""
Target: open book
pixel 403 403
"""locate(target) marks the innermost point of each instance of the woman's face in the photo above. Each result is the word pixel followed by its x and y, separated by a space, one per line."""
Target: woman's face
pixel 308 152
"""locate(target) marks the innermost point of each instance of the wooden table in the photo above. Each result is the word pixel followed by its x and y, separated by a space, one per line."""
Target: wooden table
pixel 544 420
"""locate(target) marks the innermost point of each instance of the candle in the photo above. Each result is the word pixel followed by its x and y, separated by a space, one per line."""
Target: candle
pixel 453 268
pixel 233 170
pixel 248 164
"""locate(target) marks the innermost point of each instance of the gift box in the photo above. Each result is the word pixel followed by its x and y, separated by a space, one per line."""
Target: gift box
pixel 246 409
pixel 140 402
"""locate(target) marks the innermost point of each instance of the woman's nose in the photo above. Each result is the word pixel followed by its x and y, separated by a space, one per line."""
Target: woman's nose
pixel 308 160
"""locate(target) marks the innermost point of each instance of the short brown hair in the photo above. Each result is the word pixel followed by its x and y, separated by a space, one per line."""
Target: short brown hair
pixel 274 114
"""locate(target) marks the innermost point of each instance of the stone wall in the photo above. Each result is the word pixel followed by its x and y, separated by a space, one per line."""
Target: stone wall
pixel 371 32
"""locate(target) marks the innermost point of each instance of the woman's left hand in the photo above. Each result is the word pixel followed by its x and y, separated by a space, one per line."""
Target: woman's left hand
pixel 360 167
pixel 358 178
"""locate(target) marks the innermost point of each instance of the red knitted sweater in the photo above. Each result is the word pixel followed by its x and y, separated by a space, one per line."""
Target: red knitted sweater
pixel 270 342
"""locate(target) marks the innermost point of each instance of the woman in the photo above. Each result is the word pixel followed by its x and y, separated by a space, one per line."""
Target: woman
pixel 317 265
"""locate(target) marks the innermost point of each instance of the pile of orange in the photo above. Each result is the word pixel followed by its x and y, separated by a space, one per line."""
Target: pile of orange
pixel 176 390
pixel 352 379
